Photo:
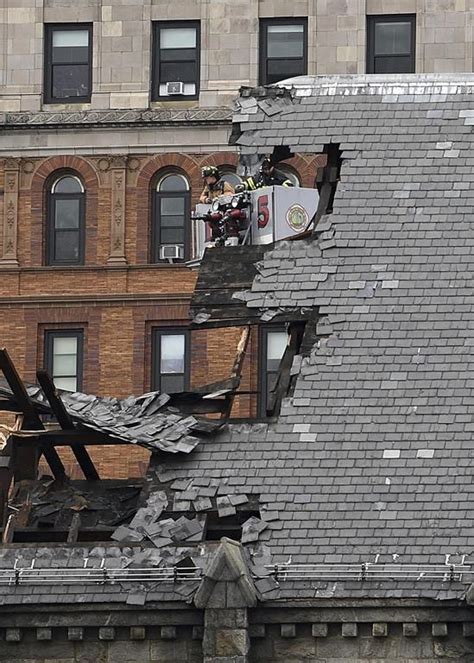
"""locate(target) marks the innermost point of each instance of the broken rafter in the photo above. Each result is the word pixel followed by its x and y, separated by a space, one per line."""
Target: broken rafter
pixel 31 421
pixel 236 372
pixel 61 438
pixel 295 334
pixel 67 424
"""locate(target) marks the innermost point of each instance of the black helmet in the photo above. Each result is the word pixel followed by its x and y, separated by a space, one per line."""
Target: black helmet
pixel 266 164
pixel 210 171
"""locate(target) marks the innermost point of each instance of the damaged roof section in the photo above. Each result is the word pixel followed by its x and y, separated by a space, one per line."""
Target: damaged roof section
pixel 146 420
pixel 151 420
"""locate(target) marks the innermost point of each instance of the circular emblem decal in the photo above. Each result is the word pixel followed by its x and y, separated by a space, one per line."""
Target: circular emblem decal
pixel 297 218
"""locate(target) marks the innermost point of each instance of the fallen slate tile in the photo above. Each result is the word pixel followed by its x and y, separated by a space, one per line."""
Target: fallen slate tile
pixel 189 494
pixel 161 541
pixel 181 484
pixel 252 528
pixel 181 505
pixel 123 533
pixel 224 507
pixel 208 491
pixel 236 500
pixel 202 504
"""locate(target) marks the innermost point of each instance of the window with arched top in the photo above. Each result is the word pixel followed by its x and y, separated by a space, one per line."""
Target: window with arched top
pixel 66 221
pixel 171 218
pixel 229 175
pixel 289 173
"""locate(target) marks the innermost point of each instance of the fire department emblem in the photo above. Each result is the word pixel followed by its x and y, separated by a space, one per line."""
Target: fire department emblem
pixel 297 218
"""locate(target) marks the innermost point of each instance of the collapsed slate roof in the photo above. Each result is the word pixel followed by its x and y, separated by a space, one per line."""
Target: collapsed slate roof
pixel 147 420
pixel 369 462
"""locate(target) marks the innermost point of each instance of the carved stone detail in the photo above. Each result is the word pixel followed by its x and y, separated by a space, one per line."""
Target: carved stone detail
pixel 28 166
pixel 133 164
pixel 219 114
pixel 10 214
pixel 117 227
pixel 103 164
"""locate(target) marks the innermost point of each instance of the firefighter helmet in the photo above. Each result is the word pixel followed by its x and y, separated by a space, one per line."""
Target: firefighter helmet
pixel 210 171
pixel 266 164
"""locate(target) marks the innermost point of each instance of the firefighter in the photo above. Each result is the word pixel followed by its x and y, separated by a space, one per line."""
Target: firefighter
pixel 214 186
pixel 267 176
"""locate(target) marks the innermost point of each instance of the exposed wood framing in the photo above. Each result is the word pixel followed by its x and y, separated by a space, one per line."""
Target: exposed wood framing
pixel 236 372
pixel 61 438
pixel 282 385
pixel 67 424
pixel 26 467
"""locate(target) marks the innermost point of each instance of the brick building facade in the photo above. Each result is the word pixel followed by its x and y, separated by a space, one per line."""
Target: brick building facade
pixel 123 134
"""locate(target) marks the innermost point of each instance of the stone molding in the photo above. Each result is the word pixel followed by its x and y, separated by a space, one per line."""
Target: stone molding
pixel 98 118
pixel 117 220
pixel 10 213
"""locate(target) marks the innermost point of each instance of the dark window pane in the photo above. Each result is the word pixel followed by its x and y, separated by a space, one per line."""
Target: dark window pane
pixel 172 236
pixel 178 55
pixel 70 55
pixel 279 69
pixel 172 222
pixel 172 206
pixel 393 65
pixel 392 38
pixel 184 72
pixel 67 213
pixel 285 41
pixel 66 246
pixel 171 384
pixel 173 183
pixel 70 81
pixel 67 185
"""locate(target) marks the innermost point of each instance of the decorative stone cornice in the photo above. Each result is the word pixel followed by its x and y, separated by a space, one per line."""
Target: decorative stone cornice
pixel 99 118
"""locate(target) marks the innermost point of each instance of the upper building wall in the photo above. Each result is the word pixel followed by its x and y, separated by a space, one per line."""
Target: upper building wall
pixel 122 43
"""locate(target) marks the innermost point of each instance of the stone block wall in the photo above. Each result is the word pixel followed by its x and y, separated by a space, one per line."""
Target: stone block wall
pixel 78 644
pixel 230 43
pixel 413 634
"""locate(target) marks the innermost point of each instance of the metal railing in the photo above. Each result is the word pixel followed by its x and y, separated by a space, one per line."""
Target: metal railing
pixel 71 576
pixel 369 572
pixel 447 573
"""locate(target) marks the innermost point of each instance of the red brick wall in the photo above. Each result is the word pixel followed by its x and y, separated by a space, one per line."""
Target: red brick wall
pixel 116 306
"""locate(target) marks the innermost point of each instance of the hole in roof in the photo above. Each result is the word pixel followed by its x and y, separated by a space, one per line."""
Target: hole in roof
pixel 229 526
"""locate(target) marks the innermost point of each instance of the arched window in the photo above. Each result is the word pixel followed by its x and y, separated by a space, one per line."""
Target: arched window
pixel 66 221
pixel 291 174
pixel 171 218
pixel 229 175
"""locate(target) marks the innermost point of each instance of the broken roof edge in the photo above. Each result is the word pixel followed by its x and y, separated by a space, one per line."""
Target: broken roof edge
pixel 369 84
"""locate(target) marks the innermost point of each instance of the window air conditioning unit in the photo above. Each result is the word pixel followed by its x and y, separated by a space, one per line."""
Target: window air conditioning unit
pixel 171 252
pixel 174 88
